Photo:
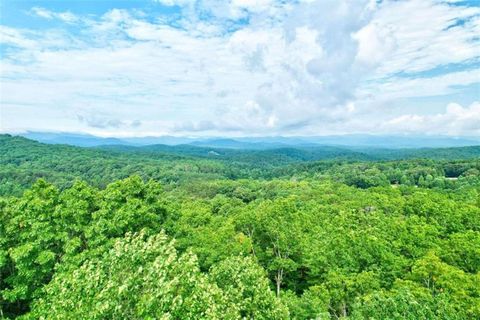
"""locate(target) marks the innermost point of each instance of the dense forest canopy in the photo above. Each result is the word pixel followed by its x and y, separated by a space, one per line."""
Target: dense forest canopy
pixel 201 233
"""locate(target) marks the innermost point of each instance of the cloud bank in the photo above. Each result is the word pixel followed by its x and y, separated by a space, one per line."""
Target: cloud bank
pixel 246 67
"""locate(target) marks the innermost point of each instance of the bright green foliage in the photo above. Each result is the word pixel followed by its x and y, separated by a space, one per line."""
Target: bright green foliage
pixel 406 301
pixel 292 239
pixel 246 287
pixel 32 243
pixel 438 277
pixel 463 251
pixel 312 304
pixel 144 278
pixel 209 234
pixel 139 278
pixel 274 228
pixel 45 227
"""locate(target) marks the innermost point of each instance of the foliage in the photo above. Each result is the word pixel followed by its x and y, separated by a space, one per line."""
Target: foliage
pixel 310 240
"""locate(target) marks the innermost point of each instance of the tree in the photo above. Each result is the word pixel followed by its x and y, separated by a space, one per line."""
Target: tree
pixel 140 277
pixel 245 285
pixel 34 246
pixel 275 229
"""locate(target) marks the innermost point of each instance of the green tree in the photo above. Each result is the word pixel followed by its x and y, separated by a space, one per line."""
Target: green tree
pixel 140 277
pixel 246 286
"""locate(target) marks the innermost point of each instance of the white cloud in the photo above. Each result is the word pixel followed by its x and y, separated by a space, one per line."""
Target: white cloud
pixel 67 17
pixel 173 2
pixel 253 5
pixel 316 67
pixel 401 87
pixel 456 120
pixel 426 34
pixel 15 37
pixel 375 43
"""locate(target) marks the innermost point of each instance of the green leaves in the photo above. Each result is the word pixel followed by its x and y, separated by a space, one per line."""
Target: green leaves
pixel 139 277
pixel 143 277
pixel 306 246
pixel 46 227
pixel 245 285
pixel 463 250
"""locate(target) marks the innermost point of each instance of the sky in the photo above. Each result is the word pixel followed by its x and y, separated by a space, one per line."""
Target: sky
pixel 240 67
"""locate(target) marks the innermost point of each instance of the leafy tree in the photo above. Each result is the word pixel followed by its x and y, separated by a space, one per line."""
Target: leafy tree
pixel 32 243
pixel 139 278
pixel 246 286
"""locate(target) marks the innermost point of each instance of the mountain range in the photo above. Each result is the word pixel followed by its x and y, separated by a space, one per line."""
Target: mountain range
pixel 260 143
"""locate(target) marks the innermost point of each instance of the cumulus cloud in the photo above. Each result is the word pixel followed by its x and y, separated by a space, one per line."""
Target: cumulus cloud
pixel 250 67
pixel 456 120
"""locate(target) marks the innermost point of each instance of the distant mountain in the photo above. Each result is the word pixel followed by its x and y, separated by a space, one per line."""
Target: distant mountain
pixel 80 140
pixel 397 142
pixel 270 156
pixel 263 143
pixel 87 140
pixel 166 140
pixel 242 144
pixel 376 141
pixel 221 143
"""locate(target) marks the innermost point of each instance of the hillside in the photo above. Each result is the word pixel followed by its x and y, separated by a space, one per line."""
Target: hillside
pixel 23 161
pixel 232 234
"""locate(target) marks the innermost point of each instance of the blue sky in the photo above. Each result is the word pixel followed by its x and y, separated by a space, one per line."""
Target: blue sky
pixel 240 67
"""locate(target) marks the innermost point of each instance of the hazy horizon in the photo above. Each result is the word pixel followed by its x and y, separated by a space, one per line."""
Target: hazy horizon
pixel 349 141
pixel 239 136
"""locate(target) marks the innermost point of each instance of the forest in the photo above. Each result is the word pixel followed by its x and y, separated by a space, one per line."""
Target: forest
pixel 190 232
